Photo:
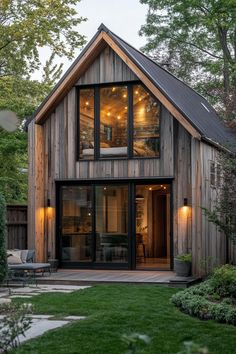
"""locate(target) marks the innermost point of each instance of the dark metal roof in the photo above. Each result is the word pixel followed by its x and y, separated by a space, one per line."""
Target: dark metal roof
pixel 193 106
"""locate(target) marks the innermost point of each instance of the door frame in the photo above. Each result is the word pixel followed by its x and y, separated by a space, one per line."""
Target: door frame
pixel 131 265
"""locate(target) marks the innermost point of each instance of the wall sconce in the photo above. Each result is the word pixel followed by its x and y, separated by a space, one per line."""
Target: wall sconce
pixel 185 201
pixel 49 209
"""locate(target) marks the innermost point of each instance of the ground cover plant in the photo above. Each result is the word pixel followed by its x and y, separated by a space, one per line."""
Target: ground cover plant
pixel 214 299
pixel 116 310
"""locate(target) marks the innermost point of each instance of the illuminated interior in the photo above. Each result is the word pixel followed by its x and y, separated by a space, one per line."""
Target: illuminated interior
pixel 153 226
pixel 123 130
pixel 96 223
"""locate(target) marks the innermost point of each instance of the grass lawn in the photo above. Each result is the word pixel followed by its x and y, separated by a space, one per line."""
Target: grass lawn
pixel 113 310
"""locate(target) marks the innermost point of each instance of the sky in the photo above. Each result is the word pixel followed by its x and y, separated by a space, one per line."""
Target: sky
pixel 124 17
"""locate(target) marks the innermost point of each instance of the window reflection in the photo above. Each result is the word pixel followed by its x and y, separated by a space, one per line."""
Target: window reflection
pixel 112 224
pixel 76 223
pixel 146 115
pixel 113 121
pixel 87 123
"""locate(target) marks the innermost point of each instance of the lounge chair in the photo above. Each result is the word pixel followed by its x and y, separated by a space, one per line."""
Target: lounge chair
pixel 21 265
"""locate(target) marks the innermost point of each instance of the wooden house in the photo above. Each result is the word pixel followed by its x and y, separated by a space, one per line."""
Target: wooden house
pixel 122 156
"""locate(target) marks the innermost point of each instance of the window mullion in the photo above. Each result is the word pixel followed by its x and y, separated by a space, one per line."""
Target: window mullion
pixel 97 123
pixel 130 121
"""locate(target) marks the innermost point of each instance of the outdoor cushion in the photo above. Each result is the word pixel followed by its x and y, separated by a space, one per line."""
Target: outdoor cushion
pixel 24 255
pixel 30 266
pixel 14 257
pixel 30 256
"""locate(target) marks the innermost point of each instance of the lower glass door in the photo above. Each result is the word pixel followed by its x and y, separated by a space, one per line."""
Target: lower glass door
pixel 76 224
pixel 152 226
pixel 111 210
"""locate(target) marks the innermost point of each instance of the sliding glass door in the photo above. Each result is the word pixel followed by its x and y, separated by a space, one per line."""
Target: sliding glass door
pixel 94 224
pixel 76 224
pixel 111 205
pixel 125 225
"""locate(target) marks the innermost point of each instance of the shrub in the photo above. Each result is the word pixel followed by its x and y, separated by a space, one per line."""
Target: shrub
pixel 15 323
pixel 193 305
pixel 3 235
pixel 219 312
pixel 199 300
pixel 223 281
pixel 230 316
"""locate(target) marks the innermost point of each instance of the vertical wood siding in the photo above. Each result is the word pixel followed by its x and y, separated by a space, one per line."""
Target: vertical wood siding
pixel 181 190
pixel 208 244
pixel 107 68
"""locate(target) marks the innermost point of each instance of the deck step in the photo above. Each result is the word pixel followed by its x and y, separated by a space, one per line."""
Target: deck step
pixel 183 282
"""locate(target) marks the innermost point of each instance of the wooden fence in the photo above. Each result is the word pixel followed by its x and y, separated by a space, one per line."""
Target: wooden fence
pixel 17 226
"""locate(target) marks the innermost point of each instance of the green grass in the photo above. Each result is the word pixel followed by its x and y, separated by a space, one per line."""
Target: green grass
pixel 113 310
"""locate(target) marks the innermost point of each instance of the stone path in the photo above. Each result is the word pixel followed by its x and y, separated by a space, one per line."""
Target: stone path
pixel 40 323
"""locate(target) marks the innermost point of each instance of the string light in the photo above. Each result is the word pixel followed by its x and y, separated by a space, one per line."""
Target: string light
pixel 136 92
pixel 126 107
pixel 108 114
pixel 87 103
pixel 118 117
pixel 125 95
pixel 113 89
pixel 150 188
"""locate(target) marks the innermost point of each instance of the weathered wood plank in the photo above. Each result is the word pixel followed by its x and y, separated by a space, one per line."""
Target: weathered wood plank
pixel 39 194
pixel 106 68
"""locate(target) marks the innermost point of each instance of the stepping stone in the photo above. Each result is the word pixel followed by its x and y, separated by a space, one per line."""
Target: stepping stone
pixel 20 297
pixel 41 316
pixel 75 318
pixel 5 301
pixel 39 327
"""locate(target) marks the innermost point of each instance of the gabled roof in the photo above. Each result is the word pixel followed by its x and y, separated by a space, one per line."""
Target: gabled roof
pixel 193 107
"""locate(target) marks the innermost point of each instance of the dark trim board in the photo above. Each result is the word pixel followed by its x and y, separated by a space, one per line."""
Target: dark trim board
pixel 131 221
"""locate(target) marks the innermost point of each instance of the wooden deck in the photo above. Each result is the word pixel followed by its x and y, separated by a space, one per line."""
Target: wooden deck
pixel 81 276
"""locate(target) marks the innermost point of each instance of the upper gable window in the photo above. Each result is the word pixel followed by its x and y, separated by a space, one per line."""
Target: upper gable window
pixel 118 121
pixel 113 121
pixel 146 123
pixel 86 114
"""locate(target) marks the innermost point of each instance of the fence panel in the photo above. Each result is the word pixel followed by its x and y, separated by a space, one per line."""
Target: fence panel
pixel 17 226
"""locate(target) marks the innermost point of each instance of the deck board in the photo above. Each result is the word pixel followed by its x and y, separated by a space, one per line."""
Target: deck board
pixel 109 276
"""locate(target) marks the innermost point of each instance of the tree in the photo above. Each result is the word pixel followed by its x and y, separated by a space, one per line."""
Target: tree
pixel 26 25
pixel 3 254
pixel 21 96
pixel 196 40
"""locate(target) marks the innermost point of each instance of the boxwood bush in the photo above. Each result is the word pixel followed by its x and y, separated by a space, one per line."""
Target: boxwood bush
pixel 213 299
pixel 223 281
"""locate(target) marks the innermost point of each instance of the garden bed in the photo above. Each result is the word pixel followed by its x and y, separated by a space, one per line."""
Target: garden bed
pixel 214 299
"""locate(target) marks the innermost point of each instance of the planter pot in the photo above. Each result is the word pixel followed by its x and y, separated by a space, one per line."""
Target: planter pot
pixel 182 268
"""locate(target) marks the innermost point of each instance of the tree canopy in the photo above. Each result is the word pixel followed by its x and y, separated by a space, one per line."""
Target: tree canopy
pixel 26 25
pixel 196 40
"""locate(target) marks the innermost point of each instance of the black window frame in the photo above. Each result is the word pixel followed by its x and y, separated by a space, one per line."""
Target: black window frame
pixel 130 125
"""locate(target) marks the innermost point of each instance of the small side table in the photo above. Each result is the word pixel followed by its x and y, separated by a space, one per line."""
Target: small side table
pixel 54 264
